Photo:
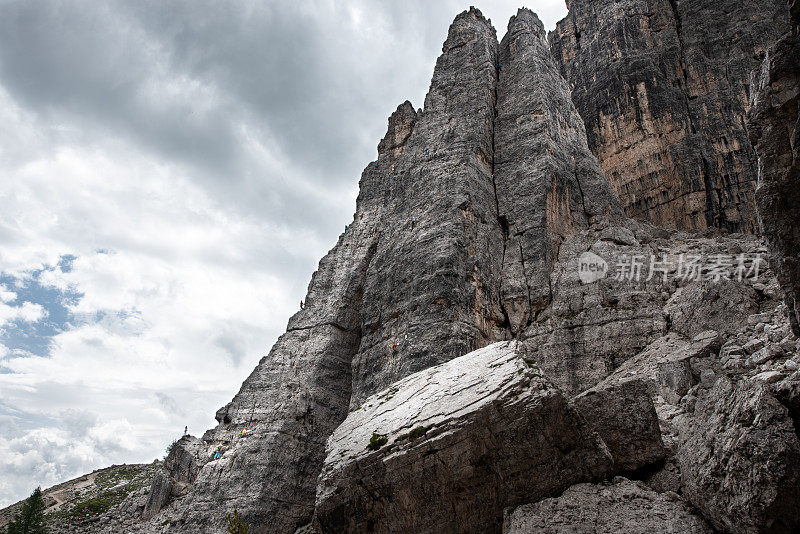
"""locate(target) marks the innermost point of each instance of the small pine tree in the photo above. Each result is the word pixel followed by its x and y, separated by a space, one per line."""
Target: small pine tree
pixel 30 520
pixel 237 525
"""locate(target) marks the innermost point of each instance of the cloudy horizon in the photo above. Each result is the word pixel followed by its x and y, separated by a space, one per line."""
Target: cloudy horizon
pixel 172 173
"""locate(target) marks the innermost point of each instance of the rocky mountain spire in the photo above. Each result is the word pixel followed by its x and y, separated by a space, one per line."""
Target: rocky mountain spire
pixel 457 226
pixel 548 183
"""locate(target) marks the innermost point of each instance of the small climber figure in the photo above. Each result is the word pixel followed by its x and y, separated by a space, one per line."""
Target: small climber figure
pixel 412 223
pixel 505 235
pixel 185 430
pixel 376 164
pixel 392 168
pixel 302 305
pixel 345 228
pixel 394 348
pixel 426 152
pixel 362 215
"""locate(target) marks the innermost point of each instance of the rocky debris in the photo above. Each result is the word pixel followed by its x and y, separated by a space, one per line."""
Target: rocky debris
pixel 663 89
pixel 448 448
pixel 624 416
pixel 774 126
pixel 739 456
pixel 728 424
pixel 606 508
pixel 591 329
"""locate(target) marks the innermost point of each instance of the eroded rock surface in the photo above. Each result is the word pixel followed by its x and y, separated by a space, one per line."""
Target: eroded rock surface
pixel 446 449
pixel 739 455
pixel 548 183
pixel 774 125
pixel 662 86
pixel 625 418
pixel 619 506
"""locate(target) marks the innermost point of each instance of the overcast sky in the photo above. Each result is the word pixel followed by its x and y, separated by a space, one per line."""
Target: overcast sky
pixel 171 173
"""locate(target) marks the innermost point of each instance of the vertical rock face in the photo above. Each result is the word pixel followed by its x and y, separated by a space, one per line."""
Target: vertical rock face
pixel 548 183
pixel 662 86
pixel 434 278
pixel 294 399
pixel 774 124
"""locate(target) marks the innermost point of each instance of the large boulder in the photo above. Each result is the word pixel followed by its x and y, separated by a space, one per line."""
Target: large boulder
pixel 739 457
pixel 625 418
pixel 606 508
pixel 448 448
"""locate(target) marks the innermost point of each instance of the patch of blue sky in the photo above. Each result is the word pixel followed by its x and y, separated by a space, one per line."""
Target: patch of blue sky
pixel 23 337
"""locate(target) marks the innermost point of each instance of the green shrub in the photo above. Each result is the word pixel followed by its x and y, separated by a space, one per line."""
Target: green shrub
pixel 417 433
pixel 236 525
pixel 377 441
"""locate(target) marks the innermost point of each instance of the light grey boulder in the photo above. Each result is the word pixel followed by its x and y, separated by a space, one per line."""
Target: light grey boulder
pixel 448 448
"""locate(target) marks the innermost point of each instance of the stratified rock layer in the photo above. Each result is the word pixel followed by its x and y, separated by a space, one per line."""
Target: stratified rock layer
pixel 774 124
pixel 448 448
pixel 662 86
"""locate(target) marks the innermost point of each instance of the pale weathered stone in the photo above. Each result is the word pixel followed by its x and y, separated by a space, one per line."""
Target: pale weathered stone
pixel 448 448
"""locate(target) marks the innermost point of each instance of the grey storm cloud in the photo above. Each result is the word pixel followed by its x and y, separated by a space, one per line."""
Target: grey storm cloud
pixel 313 81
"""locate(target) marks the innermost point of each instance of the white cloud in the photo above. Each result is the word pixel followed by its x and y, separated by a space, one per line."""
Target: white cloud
pixel 28 312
